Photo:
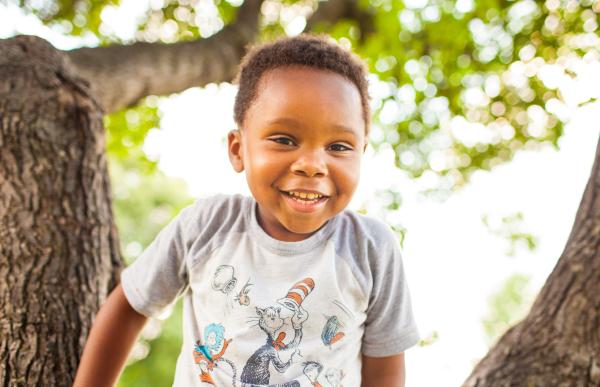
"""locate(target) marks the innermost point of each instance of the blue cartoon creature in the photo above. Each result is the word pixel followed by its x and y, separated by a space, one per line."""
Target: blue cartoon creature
pixel 209 354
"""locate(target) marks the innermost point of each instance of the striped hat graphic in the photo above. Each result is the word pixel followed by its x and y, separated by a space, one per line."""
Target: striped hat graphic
pixel 297 293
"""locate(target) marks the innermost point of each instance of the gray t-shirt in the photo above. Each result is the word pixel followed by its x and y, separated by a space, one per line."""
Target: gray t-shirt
pixel 260 311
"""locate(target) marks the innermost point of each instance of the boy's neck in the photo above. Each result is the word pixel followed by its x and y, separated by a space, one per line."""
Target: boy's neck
pixel 281 233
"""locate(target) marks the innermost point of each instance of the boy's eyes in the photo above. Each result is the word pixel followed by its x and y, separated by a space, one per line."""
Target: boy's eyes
pixel 283 140
pixel 336 147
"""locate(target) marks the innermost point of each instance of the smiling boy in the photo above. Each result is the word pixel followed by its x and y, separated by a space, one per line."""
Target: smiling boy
pixel 323 287
pixel 304 137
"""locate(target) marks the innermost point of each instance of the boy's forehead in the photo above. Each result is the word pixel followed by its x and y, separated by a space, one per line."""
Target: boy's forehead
pixel 296 95
pixel 302 74
pixel 304 125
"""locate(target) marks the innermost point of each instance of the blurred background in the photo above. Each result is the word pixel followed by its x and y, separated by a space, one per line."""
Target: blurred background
pixel 484 130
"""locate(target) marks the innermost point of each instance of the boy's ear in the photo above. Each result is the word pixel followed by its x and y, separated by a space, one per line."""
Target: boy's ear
pixel 234 146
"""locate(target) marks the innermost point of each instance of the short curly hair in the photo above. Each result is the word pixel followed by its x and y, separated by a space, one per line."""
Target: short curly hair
pixel 316 51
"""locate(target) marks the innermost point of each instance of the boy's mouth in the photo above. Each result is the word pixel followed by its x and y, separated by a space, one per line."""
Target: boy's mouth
pixel 305 197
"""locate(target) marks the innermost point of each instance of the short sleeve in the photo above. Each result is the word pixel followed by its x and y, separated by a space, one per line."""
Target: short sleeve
pixel 389 327
pixel 159 275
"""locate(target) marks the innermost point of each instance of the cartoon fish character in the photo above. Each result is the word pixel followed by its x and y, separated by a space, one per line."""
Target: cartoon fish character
pixel 242 297
pixel 331 331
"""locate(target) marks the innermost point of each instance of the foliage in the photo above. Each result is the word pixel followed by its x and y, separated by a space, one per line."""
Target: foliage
pixel 126 131
pixel 511 229
pixel 144 201
pixel 429 340
pixel 75 17
pixel 143 205
pixel 463 89
pixel 386 208
pixel 509 305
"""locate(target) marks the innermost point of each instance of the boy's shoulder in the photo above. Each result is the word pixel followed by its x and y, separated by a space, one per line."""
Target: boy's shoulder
pixel 369 247
pixel 354 224
pixel 213 214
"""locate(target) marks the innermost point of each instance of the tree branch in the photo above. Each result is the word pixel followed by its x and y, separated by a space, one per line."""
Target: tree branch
pixel 121 75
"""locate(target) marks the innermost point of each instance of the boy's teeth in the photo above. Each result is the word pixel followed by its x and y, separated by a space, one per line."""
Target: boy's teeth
pixel 304 195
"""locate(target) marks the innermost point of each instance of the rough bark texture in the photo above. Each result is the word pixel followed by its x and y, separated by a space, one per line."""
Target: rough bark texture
pixel 558 343
pixel 120 76
pixel 59 252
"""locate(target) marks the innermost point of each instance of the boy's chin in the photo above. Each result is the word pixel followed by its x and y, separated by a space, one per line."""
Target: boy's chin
pixel 304 229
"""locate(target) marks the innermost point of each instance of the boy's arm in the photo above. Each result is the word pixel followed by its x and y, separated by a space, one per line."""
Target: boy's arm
pixel 383 371
pixel 113 333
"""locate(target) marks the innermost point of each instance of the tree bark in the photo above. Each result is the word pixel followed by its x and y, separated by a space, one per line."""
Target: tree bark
pixel 558 343
pixel 59 250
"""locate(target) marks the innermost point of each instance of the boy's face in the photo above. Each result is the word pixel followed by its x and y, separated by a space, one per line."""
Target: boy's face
pixel 301 147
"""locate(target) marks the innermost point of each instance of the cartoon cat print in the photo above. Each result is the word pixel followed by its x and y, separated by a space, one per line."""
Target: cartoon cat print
pixel 256 371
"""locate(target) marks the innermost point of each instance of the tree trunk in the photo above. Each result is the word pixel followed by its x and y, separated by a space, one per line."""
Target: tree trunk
pixel 59 250
pixel 558 343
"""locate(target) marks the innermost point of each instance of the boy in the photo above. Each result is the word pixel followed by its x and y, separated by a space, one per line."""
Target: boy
pixel 285 287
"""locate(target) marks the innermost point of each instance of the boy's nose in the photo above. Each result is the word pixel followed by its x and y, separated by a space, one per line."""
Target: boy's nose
pixel 310 164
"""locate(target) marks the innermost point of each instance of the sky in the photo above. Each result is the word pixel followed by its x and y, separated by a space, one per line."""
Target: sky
pixel 453 262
